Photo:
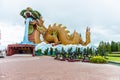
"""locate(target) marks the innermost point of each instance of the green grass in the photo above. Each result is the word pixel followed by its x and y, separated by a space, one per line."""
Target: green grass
pixel 115 52
pixel 114 55
pixel 114 59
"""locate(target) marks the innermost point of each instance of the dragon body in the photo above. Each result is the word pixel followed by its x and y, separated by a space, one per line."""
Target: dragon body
pixel 58 34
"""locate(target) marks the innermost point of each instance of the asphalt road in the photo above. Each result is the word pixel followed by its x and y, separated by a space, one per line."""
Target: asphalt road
pixel 26 67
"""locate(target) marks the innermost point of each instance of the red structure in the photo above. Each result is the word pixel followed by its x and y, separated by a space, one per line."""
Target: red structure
pixel 20 49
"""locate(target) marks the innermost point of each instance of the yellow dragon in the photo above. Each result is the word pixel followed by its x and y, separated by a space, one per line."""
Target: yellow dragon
pixel 56 34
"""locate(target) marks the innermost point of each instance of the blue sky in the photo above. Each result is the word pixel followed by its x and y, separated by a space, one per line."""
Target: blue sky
pixel 102 16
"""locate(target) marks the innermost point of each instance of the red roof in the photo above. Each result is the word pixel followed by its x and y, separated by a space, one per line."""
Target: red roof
pixel 20 45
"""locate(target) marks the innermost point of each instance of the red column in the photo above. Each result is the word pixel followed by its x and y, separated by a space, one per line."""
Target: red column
pixel 9 51
pixel 33 51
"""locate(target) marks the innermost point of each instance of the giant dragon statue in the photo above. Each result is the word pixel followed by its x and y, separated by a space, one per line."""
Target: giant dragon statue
pixel 56 33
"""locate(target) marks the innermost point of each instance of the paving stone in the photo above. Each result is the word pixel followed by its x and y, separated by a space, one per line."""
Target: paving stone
pixel 46 68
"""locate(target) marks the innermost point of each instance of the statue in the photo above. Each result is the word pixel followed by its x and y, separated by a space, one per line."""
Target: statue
pixel 33 25
pixel 56 34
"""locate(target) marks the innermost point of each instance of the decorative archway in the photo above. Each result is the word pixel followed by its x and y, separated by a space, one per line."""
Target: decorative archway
pixel 20 49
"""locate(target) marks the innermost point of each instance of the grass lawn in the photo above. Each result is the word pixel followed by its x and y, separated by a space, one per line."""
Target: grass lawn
pixel 114 55
pixel 114 59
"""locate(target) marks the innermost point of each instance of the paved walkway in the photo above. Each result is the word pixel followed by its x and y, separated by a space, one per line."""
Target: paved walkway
pixel 46 68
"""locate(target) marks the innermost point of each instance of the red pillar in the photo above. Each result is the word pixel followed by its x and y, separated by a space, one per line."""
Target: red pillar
pixel 33 51
pixel 9 51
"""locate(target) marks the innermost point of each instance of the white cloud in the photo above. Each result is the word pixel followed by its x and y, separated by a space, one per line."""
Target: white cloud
pixel 102 16
pixel 105 33
pixel 11 33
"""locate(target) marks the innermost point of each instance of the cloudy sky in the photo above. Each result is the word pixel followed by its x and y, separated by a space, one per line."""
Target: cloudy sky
pixel 102 16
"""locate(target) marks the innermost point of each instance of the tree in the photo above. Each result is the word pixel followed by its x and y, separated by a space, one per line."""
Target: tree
pixel 101 47
pixel 113 46
pixel 118 46
pixel 46 51
pixel 51 51
pixel 109 48
pixel 91 52
pixel 69 50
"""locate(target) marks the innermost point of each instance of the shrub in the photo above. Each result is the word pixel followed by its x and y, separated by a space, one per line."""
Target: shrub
pixel 39 52
pixel 98 59
pixel 46 51
pixel 52 55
